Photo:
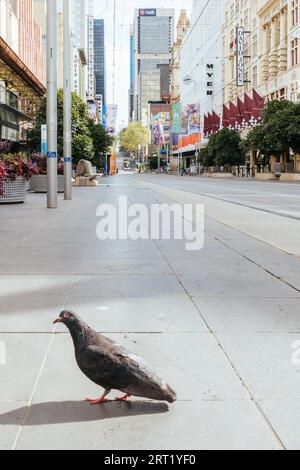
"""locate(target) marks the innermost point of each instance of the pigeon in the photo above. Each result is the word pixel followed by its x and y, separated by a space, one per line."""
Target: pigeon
pixel 111 366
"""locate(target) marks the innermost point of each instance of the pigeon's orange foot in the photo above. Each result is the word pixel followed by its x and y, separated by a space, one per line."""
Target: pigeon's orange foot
pixel 124 398
pixel 97 401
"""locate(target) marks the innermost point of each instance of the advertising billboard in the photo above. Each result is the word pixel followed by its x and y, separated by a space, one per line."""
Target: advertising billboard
pixel 160 116
pixel 177 118
pixel 92 110
pixel 111 118
pixel 191 119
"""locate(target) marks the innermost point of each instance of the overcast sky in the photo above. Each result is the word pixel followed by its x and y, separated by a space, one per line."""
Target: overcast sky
pixel 125 11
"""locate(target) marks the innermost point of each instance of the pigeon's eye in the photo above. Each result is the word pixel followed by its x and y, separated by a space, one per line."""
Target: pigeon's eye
pixel 67 315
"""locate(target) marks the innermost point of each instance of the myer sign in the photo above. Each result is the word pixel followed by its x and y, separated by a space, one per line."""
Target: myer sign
pixel 147 12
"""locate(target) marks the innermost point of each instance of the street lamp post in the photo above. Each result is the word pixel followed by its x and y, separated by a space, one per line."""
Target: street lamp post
pixel 67 104
pixel 51 104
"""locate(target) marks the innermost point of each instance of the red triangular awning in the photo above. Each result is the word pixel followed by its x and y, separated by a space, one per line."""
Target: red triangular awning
pixel 209 123
pixel 240 111
pixel 216 122
pixel 248 108
pixel 225 117
pixel 233 114
pixel 258 105
pixel 205 129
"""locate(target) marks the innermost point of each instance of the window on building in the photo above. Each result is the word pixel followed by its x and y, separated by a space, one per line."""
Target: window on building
pixel 254 46
pixel 295 11
pixel 254 76
pixel 294 52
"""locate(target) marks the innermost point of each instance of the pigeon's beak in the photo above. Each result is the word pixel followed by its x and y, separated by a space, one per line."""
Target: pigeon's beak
pixel 58 320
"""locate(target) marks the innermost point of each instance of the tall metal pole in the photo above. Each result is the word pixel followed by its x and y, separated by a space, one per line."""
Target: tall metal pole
pixel 67 104
pixel 52 104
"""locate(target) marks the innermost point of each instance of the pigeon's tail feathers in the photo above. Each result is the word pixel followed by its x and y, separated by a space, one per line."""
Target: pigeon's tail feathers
pixel 170 394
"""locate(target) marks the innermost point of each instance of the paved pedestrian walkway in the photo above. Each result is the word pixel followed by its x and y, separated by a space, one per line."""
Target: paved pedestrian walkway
pixel 218 325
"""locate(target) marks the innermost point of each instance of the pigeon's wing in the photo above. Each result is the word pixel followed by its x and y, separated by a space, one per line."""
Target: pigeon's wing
pixel 108 368
pixel 146 384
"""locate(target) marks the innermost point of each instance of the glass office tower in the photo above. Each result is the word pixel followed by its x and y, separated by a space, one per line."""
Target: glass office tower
pixel 153 41
pixel 99 59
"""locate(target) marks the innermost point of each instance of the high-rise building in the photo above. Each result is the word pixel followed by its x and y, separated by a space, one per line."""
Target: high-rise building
pixel 99 60
pixel 153 32
pixel 78 26
pixel 131 88
pixel 201 57
pixel 182 28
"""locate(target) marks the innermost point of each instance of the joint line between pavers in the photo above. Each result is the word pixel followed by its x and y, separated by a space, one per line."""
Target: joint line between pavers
pixel 29 403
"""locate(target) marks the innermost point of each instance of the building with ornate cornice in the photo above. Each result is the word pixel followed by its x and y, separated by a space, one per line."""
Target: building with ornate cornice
pixel 182 28
pixel 273 66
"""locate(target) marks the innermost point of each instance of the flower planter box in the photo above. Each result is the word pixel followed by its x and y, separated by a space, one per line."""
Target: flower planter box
pixel 38 183
pixel 13 190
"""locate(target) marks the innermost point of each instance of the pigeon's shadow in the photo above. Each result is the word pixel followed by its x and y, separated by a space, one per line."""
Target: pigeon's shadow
pixel 78 411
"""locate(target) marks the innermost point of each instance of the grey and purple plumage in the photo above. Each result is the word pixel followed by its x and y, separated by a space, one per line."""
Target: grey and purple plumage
pixel 111 366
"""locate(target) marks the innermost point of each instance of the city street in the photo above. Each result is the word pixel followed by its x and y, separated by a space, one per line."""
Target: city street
pixel 220 325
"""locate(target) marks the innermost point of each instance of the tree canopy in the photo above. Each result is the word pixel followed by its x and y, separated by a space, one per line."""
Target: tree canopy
pixel 88 140
pixel 279 130
pixel 136 134
pixel 225 148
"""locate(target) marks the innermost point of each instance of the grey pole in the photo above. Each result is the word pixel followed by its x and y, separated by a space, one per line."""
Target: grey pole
pixel 52 104
pixel 67 104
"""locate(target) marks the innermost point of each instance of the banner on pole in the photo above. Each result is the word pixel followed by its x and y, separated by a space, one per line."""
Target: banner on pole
pixel 177 118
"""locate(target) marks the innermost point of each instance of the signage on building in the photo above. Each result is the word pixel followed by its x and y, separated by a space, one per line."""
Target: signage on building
pixel 76 80
pixel 160 117
pixel 210 77
pixel 92 110
pixel 191 119
pixel 44 139
pixel 147 12
pixel 240 56
pixel 111 118
pixel 100 108
pixel 177 118
pixel 91 75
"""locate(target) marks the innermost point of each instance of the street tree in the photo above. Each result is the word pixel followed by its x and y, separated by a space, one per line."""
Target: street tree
pixel 225 148
pixel 82 146
pixel 278 132
pixel 102 142
pixel 135 135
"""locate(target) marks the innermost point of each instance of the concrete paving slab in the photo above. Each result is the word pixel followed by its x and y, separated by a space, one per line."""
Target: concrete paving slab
pixel 23 286
pixel 180 359
pixel 133 286
pixel 264 361
pixel 284 416
pixel 9 427
pixel 158 267
pixel 121 249
pixel 146 425
pixel 281 264
pixel 24 356
pixel 28 264
pixel 197 266
pixel 170 313
pixel 247 281
pixel 251 315
pixel 32 314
